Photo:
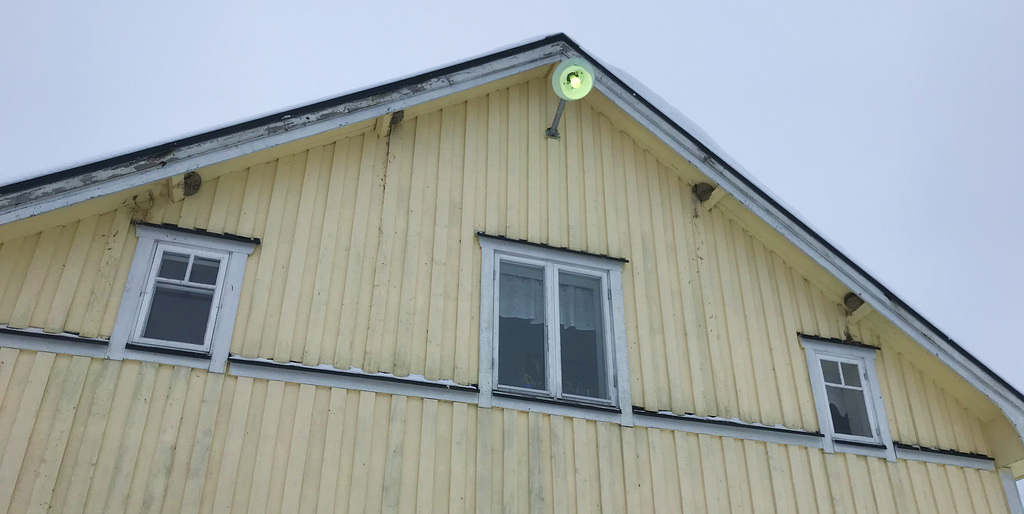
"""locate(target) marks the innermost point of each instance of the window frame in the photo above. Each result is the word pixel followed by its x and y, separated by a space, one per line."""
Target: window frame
pixel 553 261
pixel 146 301
pixel 126 340
pixel 818 349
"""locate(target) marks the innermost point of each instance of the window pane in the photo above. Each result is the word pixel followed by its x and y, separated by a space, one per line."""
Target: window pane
pixel 178 314
pixel 173 265
pixel 849 413
pixel 204 271
pixel 581 334
pixel 521 334
pixel 851 374
pixel 830 369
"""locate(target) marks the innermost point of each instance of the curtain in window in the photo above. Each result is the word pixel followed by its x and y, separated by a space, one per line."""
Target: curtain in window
pixel 521 297
pixel 577 307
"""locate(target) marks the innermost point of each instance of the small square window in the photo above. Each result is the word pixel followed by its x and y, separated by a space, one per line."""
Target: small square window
pixel 181 297
pixel 549 330
pixel 846 394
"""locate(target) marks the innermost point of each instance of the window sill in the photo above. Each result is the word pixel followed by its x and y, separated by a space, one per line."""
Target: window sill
pixel 553 401
pixel 167 351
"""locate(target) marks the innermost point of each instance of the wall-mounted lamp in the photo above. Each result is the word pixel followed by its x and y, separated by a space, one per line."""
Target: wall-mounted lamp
pixel 572 80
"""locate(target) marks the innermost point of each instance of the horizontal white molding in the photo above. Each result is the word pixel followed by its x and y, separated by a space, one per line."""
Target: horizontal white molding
pixel 37 340
pixel 357 380
pixel 944 457
pixel 727 428
pixel 556 409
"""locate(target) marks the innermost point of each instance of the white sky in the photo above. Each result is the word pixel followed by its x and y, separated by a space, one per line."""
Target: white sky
pixel 895 128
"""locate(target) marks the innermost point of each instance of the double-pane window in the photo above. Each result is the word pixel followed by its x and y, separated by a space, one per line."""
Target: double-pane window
pixel 552 330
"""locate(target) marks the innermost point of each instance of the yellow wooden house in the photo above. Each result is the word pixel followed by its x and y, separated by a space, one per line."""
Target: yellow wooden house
pixel 412 298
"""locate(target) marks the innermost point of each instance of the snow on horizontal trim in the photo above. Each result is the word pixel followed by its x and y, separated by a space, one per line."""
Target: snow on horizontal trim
pixel 353 372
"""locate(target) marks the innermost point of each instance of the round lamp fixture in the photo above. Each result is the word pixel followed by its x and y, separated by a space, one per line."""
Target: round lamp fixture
pixel 573 79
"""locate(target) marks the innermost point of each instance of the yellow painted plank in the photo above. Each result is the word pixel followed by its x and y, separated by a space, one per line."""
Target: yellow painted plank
pixel 56 443
pixel 516 192
pixel 276 186
pixel 409 472
pixel 17 273
pixel 575 187
pixel 255 177
pixel 466 316
pixel 736 473
pixel 124 263
pixel 395 455
pixel 232 450
pixel 126 445
pixel 421 159
pixel 297 451
pixel 722 372
pixel 375 476
pixel 310 178
pixel 9 252
pixel 450 336
pixel 84 464
pixel 234 202
pixel 105 273
pixel 265 453
pixel 45 296
pixel 332 451
pixel 361 455
pixel 497 162
pixel 882 485
pixel 292 167
pixel 141 474
pixel 440 496
pixel 460 448
pixel 791 325
pixel 383 320
pixel 351 341
pixel 282 454
pixel 377 153
pixel 314 468
pixel 40 283
pixel 765 373
pixel 17 442
pixel 46 411
pixel 325 264
pixel 219 207
pixel 429 162
pixel 435 330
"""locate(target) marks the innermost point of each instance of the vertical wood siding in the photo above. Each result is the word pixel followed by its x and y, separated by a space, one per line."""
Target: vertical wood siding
pixel 89 435
pixel 369 259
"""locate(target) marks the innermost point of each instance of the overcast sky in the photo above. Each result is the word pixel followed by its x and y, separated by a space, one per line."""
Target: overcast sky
pixel 895 129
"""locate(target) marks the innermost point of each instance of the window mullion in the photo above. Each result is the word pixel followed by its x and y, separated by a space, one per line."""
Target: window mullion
pixel 188 268
pixel 554 350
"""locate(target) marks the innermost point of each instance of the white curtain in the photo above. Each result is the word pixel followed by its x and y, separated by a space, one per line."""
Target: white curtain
pixel 523 298
pixel 577 308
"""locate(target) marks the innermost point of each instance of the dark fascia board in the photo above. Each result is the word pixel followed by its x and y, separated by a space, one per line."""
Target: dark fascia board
pixel 560 38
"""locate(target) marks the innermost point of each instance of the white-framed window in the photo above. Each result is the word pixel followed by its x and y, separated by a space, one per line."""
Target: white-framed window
pixel 182 294
pixel 552 326
pixel 847 396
